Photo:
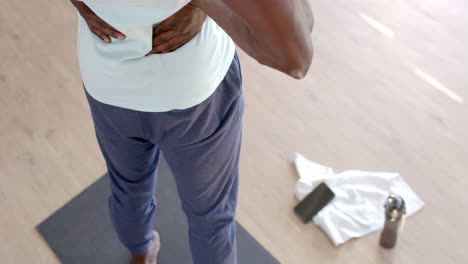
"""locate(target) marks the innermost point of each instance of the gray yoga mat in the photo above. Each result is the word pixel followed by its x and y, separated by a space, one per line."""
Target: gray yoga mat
pixel 81 231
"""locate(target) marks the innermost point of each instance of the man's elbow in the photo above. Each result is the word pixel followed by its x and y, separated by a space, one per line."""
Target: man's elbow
pixel 299 67
pixel 295 64
pixel 299 73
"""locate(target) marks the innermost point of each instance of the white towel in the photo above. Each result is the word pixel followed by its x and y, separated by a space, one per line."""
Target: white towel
pixel 358 206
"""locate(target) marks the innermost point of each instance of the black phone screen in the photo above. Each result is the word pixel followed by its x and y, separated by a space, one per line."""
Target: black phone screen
pixel 314 202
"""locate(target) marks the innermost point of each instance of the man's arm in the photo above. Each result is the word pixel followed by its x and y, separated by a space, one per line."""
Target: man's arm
pixel 267 31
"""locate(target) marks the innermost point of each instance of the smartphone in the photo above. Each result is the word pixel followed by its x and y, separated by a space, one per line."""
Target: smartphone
pixel 314 202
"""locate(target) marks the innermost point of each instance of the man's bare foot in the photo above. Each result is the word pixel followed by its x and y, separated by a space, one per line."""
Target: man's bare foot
pixel 152 254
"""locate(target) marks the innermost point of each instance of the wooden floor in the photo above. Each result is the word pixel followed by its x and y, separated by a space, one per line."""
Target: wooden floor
pixel 386 92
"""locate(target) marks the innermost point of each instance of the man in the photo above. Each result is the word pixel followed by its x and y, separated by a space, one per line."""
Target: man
pixel 161 76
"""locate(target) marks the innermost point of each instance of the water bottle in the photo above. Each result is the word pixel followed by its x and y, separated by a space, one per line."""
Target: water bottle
pixel 394 214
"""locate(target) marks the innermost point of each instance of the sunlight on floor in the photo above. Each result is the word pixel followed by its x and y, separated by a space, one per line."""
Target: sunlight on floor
pixel 438 85
pixel 378 26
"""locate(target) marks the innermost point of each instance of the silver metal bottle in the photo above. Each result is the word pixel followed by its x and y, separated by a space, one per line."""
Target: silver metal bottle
pixel 394 214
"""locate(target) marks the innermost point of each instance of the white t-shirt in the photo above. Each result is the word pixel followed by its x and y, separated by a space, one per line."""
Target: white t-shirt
pixel 120 74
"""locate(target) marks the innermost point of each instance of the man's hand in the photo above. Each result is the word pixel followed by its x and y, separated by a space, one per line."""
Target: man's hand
pixel 177 30
pixel 96 24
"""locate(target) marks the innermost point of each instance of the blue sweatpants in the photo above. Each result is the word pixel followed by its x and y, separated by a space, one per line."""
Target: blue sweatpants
pixel 201 145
